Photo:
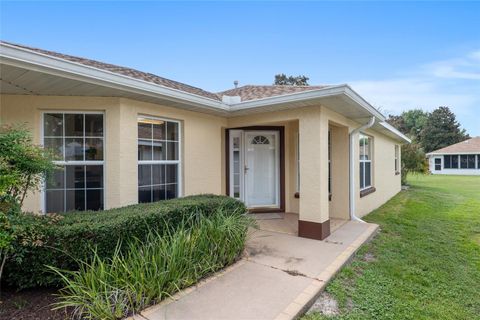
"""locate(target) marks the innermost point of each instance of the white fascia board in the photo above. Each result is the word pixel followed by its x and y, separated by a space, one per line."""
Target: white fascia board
pixel 35 61
pixel 451 153
pixel 391 128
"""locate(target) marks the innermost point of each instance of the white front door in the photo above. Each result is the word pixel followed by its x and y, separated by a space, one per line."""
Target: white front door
pixel 262 169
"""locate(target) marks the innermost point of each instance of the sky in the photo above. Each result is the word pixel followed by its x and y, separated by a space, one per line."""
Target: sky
pixel 398 56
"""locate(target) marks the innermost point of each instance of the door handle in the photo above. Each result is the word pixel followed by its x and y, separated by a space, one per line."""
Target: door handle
pixel 245 169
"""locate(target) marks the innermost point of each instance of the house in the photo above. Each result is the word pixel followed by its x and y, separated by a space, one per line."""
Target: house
pixel 124 136
pixel 461 158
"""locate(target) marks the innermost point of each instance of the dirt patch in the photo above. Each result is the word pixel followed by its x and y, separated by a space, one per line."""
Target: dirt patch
pixel 33 304
pixel 326 305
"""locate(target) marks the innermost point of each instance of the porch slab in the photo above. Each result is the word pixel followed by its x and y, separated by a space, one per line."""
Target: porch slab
pixel 279 277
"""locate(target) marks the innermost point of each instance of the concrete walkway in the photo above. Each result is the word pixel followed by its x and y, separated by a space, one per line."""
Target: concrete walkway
pixel 280 277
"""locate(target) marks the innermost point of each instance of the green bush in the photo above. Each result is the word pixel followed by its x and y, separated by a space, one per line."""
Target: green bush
pixel 63 240
pixel 153 268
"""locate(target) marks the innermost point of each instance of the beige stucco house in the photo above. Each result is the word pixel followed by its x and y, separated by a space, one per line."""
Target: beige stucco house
pixel 125 136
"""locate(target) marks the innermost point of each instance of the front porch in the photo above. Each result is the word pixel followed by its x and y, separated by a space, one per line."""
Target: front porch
pixel 293 173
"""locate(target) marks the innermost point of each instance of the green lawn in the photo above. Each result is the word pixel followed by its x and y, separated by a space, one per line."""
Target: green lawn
pixel 424 263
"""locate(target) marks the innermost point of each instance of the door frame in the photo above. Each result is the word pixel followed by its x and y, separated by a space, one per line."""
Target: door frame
pixel 281 133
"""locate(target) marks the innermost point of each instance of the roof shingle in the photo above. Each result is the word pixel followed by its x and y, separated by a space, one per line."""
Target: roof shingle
pixel 251 92
pixel 470 145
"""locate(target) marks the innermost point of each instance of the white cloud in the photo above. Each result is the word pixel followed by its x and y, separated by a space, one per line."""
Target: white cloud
pixel 453 82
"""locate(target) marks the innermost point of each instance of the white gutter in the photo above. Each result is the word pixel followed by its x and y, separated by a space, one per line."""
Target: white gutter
pixel 352 168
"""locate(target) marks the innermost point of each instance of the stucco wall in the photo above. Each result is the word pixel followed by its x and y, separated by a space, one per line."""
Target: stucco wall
pixel 202 142
pixel 203 151
pixel 385 181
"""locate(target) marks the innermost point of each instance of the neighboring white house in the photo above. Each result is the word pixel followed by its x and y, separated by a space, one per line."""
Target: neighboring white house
pixel 460 158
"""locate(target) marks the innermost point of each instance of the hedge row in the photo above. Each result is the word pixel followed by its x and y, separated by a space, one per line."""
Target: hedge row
pixel 61 240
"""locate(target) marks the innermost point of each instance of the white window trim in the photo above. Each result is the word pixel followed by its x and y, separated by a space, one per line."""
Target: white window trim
pixel 232 135
pixel 43 202
pixel 370 143
pixel 180 153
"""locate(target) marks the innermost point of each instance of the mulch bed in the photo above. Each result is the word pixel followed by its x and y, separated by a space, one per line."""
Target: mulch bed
pixel 30 304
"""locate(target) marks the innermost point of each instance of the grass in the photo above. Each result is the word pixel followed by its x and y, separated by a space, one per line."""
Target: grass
pixel 424 264
pixel 154 268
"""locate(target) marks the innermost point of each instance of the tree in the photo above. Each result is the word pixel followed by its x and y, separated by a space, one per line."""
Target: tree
pixel 22 164
pixel 283 80
pixel 413 160
pixel 441 129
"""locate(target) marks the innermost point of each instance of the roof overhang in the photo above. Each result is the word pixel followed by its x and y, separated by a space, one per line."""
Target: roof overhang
pixel 431 154
pixel 24 71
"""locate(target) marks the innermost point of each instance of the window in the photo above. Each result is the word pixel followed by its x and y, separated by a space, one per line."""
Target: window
pixel 365 161
pixel 77 140
pixel 237 167
pixel 467 161
pixel 438 164
pixel 478 161
pixel 397 159
pixel 450 161
pixel 158 159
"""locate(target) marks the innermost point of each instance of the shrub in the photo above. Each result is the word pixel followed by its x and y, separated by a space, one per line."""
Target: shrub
pixel 153 268
pixel 63 240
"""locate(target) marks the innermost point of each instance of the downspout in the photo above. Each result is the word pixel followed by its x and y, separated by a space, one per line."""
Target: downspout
pixel 352 168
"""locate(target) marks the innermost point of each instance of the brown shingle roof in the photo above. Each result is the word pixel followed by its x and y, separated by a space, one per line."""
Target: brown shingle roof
pixel 149 77
pixel 470 145
pixel 250 92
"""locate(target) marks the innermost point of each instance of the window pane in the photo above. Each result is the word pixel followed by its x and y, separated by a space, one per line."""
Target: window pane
pixel 158 174
pixel 172 131
pixel 447 163
pixel 159 150
pixel 159 193
pixel 55 180
pixel 94 175
pixel 94 199
pixel 172 150
pixel 75 200
pixel 144 175
pixel 55 145
pixel 75 177
pixel 144 194
pixel 368 174
pixel 471 161
pixel 478 161
pixel 367 148
pixel 159 131
pixel 54 201
pixel 171 173
pixel 53 124
pixel 362 147
pixel 455 161
pixel 94 149
pixel 171 191
pixel 73 125
pixel 73 149
pixel 144 130
pixel 144 150
pixel 362 182
pixel 464 161
pixel 94 125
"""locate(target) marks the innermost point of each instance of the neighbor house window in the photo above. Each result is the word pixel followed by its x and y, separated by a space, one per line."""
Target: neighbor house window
pixel 365 161
pixel 397 158
pixel 467 161
pixel 478 161
pixel 450 161
pixel 158 159
pixel 77 141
